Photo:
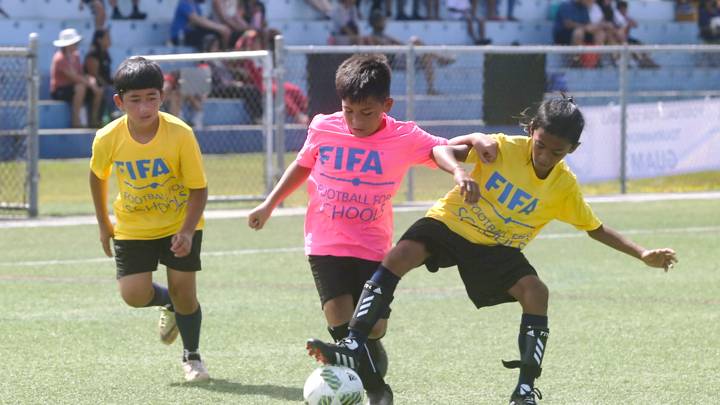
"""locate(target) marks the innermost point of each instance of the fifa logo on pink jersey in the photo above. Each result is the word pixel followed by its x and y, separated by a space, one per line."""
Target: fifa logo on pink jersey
pixel 351 159
pixel 518 198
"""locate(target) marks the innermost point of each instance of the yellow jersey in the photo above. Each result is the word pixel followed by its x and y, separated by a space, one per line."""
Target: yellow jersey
pixel 514 203
pixel 153 178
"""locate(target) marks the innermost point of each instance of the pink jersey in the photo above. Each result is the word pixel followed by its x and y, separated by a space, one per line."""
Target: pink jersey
pixel 353 181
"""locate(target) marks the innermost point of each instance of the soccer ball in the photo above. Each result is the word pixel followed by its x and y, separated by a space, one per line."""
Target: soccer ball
pixel 333 385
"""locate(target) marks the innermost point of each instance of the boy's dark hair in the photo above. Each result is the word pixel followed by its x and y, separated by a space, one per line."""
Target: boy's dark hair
pixel 363 76
pixel 622 4
pixel 137 73
pixel 559 116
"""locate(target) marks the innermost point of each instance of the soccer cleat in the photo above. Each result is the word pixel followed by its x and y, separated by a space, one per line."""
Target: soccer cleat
pixel 380 396
pixel 524 397
pixel 167 328
pixel 344 353
pixel 194 369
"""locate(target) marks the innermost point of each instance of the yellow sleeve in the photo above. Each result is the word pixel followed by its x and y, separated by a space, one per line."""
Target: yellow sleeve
pixel 191 165
pixel 101 159
pixel 577 212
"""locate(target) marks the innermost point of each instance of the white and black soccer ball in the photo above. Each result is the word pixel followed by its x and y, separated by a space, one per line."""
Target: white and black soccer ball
pixel 333 385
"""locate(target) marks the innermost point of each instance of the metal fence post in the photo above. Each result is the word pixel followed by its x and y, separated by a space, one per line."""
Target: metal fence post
pixel 410 109
pixel 33 89
pixel 268 122
pixel 623 118
pixel 280 104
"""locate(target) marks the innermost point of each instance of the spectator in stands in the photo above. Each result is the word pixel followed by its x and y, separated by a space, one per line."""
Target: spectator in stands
pixel 709 20
pixel 573 26
pixel 464 10
pixel 69 83
pixel 602 13
pixel 296 102
pixel 398 62
pixel 175 99
pixel 189 27
pixel 232 81
pixel 490 7
pixel 255 15
pixel 627 23
pixel 232 15
pixel 384 6
pixel 401 11
pixel 345 24
pixel 97 8
pixel 98 65
pixel 136 14
pixel 511 10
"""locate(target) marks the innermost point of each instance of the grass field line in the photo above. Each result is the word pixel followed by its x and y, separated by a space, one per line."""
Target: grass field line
pixel 211 214
pixel 238 252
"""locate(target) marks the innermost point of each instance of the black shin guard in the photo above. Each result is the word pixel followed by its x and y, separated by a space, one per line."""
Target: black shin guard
pixel 530 363
pixel 372 305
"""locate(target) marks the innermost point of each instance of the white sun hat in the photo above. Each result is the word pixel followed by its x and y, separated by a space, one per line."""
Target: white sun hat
pixel 67 37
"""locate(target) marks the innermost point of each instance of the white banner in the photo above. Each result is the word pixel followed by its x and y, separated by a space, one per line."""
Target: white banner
pixel 664 139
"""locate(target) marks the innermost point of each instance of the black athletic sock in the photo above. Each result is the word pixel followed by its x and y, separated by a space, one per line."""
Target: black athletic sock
pixel 189 327
pixel 531 342
pixel 161 297
pixel 374 302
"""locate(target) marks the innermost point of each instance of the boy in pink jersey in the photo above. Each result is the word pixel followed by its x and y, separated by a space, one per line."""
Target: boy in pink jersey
pixel 354 161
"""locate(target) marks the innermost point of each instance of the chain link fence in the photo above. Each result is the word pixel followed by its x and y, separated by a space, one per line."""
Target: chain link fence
pixel 652 111
pixel 227 97
pixel 19 130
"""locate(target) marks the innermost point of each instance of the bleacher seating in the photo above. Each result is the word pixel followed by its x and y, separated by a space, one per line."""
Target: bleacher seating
pixel 301 25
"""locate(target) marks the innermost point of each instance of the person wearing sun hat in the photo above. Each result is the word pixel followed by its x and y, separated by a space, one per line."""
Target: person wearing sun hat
pixel 69 83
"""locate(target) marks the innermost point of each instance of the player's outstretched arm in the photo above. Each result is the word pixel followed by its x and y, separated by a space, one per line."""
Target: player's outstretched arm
pixel 448 158
pixel 99 191
pixel 294 176
pixel 485 146
pixel 662 258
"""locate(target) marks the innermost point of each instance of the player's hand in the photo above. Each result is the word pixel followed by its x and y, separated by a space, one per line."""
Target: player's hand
pixel 468 187
pixel 661 258
pixel 486 148
pixel 181 244
pixel 107 232
pixel 258 216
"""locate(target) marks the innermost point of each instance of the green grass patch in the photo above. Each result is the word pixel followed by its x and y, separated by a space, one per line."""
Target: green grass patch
pixel 64 186
pixel 620 332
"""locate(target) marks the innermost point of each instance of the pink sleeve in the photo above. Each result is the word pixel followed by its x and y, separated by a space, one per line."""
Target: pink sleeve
pixel 308 154
pixel 422 145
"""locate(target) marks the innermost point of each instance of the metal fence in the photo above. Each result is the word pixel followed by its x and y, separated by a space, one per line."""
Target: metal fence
pixel 19 88
pixel 227 97
pixel 452 90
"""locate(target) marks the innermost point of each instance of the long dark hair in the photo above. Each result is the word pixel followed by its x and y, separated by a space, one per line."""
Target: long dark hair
pixel 559 116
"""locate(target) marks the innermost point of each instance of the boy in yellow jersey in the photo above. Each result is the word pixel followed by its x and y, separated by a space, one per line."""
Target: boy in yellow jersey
pixel 483 224
pixel 159 206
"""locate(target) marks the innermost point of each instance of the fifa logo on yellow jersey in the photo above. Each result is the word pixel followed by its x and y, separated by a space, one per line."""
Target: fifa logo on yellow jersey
pixel 511 195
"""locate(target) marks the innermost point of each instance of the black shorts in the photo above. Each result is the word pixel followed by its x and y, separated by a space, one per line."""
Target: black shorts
pixel 142 256
pixel 488 272
pixel 335 276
